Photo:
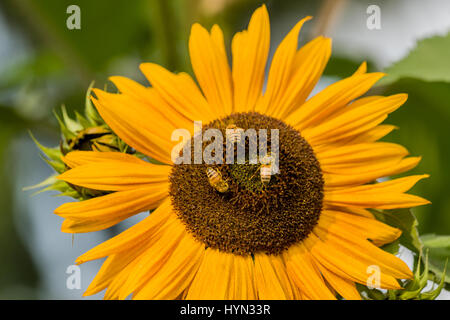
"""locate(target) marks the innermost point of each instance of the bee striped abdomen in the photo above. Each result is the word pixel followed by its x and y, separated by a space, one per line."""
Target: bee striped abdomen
pixel 266 168
pixel 234 133
pixel 216 180
pixel 266 173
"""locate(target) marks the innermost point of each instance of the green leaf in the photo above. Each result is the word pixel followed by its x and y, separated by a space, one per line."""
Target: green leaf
pixel 370 294
pixel 392 247
pixel 428 61
pixel 404 220
pixel 439 251
pixel 435 241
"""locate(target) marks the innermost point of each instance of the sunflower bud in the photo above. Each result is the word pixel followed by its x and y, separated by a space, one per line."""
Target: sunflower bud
pixel 86 132
pixel 93 139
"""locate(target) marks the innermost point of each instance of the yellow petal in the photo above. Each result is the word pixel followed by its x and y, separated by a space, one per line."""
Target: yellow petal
pixel 309 63
pixel 132 88
pixel 136 124
pixel 242 285
pixel 362 152
pixel 394 186
pixel 366 228
pixel 361 69
pixel 117 175
pixel 180 92
pixel 345 287
pixel 174 115
pixel 363 250
pixel 134 235
pixel 343 263
pixel 177 274
pixel 361 174
pixel 362 163
pixel 304 273
pixel 114 288
pixel 351 210
pixel 83 226
pixel 250 49
pixel 77 158
pixel 211 68
pixel 354 121
pixel 379 201
pixel 318 108
pixel 115 205
pixel 271 279
pixel 101 281
pixel 280 71
pixel 372 135
pixel 213 279
pixel 384 195
pixel 112 266
pixel 155 257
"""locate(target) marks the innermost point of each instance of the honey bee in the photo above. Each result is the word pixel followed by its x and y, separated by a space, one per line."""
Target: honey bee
pixel 266 168
pixel 234 133
pixel 216 180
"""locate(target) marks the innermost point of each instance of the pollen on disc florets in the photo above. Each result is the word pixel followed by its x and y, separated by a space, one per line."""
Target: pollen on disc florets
pixel 252 216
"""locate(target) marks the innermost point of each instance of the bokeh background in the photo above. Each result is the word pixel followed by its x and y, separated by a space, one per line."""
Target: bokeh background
pixel 43 65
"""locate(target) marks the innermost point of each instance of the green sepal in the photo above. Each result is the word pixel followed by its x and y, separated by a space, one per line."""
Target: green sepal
pixel 67 134
pixel 82 120
pixel 58 166
pixel 90 113
pixel 47 182
pixel 431 295
pixel 415 286
pixel 51 153
pixel 72 125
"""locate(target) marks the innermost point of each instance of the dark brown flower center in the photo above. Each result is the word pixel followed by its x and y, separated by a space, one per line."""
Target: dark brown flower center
pixel 252 215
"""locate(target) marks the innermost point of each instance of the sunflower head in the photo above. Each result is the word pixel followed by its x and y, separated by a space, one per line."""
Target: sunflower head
pixel 296 227
pixel 252 216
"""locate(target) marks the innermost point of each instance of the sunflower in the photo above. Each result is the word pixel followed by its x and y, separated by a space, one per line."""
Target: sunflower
pixel 307 234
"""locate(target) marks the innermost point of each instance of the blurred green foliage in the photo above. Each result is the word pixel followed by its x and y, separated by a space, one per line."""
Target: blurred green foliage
pixel 428 61
pixel 16 267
